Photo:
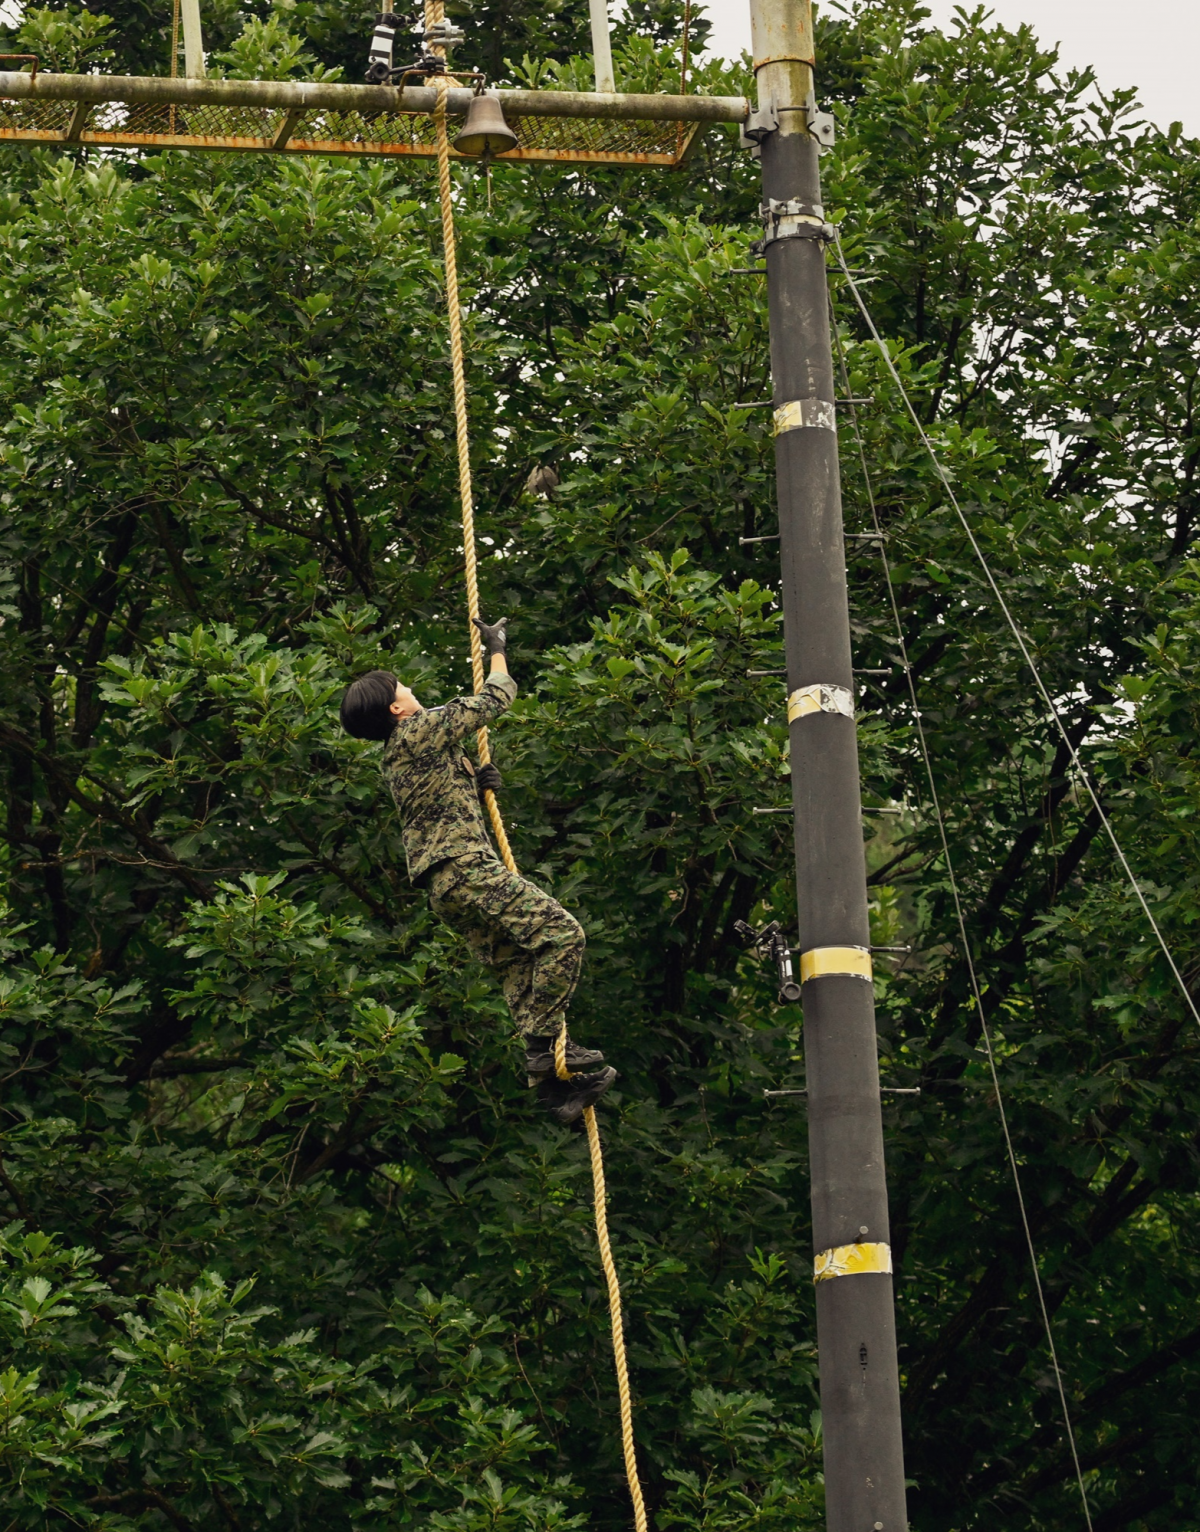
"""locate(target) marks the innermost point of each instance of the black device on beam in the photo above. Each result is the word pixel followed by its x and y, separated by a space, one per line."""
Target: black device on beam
pixel 772 941
pixel 379 61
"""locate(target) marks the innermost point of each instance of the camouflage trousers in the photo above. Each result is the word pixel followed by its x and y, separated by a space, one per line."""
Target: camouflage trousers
pixel 534 945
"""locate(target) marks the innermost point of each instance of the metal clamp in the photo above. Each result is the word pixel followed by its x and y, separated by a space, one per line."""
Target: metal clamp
pixel 760 122
pixel 821 125
pixel 794 208
pixel 823 128
pixel 792 220
pixel 430 67
pixel 852 1261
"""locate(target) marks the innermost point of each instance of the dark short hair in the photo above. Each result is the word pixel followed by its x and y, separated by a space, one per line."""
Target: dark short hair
pixel 366 707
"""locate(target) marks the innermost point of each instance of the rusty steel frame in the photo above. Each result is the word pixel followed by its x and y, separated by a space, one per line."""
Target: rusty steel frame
pixel 298 117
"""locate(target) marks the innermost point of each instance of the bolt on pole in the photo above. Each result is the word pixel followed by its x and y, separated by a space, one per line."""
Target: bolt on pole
pixel 856 1333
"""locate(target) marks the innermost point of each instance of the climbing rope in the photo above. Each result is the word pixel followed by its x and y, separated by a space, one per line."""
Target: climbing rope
pixel 1084 776
pixel 434 13
pixel 465 495
pixel 600 1198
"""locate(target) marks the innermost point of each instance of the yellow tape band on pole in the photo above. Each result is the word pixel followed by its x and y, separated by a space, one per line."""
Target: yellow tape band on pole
pixel 852 1261
pixel 820 698
pixel 821 962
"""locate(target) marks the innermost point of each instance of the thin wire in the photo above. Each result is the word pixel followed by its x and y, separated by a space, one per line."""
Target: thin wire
pixel 1016 632
pixel 962 931
pixel 616 1321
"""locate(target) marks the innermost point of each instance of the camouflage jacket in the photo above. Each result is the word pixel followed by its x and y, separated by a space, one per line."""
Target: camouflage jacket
pixel 432 780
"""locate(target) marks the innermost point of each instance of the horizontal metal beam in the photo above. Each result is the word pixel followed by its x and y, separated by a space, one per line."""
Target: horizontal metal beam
pixel 369 100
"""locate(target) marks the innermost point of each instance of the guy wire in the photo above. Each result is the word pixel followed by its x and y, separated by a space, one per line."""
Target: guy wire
pixel 961 919
pixel 1076 760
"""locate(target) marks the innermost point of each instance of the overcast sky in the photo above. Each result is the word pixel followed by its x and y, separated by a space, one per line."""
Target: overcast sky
pixel 1153 45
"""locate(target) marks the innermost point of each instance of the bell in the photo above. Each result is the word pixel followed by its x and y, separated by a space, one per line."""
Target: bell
pixel 485 130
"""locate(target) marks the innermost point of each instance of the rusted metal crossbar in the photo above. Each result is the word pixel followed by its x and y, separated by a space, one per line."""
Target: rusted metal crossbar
pixel 292 117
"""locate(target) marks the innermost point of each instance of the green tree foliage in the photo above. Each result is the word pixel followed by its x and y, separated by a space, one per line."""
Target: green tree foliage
pixel 285 1240
pixel 139 41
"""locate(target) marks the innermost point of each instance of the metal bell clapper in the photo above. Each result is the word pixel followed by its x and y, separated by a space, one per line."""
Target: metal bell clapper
pixel 485 131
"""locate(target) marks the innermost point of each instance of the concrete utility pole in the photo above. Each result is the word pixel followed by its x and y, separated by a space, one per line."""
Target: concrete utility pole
pixel 602 63
pixel 193 40
pixel 856 1333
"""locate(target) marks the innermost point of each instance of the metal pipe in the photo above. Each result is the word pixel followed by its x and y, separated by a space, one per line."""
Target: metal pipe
pixel 856 1330
pixel 606 80
pixel 193 40
pixel 781 37
pixel 369 100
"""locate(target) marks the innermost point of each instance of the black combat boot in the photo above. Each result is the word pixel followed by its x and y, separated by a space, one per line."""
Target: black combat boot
pixel 567 1100
pixel 539 1056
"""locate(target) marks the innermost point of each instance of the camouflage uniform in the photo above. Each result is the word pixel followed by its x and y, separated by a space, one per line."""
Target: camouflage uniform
pixel 535 945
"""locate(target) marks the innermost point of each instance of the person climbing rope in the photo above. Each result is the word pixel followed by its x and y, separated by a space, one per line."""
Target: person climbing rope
pixel 510 924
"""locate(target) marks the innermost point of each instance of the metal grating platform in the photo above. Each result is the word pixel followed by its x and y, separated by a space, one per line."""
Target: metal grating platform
pixel 543 134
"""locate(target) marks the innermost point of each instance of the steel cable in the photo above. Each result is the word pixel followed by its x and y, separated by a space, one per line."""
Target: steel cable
pixel 435 12
pixel 960 919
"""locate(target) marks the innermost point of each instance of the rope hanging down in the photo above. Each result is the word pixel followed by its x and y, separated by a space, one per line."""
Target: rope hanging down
pixel 434 13
pixel 464 443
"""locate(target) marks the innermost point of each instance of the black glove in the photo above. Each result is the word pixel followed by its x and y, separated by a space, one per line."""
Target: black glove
pixel 494 637
pixel 487 780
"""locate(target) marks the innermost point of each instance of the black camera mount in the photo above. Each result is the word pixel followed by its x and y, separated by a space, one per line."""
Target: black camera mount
pixel 771 941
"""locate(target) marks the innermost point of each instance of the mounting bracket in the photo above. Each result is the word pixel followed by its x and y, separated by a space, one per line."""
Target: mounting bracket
pixel 791 220
pixel 760 122
pixel 772 942
pixel 444 34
